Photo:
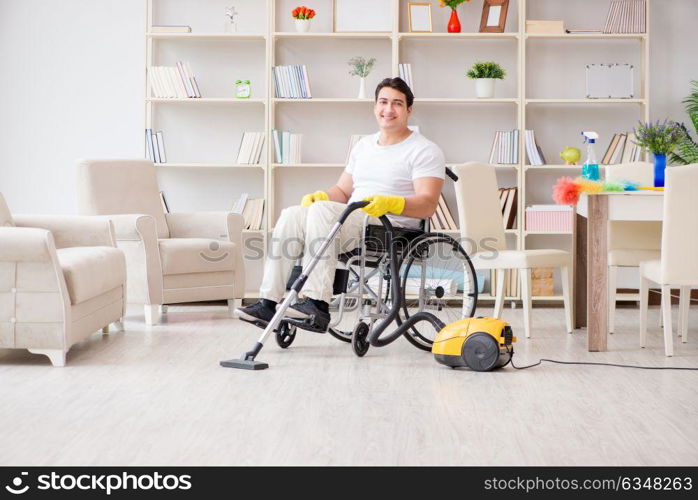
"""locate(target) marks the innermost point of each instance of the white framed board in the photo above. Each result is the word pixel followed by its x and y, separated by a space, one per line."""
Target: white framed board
pixel 351 16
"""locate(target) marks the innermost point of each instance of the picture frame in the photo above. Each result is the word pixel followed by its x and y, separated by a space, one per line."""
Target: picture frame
pixel 419 15
pixel 350 16
pixel 494 16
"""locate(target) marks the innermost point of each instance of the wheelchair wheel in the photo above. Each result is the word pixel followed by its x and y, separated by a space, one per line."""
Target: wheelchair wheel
pixel 359 341
pixel 285 335
pixel 438 277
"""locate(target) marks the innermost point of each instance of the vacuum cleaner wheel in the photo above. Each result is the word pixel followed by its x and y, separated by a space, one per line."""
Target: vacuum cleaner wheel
pixel 481 352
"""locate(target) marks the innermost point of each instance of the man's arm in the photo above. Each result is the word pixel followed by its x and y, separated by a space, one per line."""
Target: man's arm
pixel 423 203
pixel 341 192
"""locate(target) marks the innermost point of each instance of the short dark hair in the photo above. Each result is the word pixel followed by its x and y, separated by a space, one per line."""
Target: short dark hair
pixel 399 85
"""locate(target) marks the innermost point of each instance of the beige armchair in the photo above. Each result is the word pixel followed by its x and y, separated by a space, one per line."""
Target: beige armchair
pixel 61 279
pixel 170 258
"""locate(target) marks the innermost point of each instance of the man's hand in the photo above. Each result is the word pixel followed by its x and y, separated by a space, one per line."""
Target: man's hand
pixel 311 198
pixel 382 204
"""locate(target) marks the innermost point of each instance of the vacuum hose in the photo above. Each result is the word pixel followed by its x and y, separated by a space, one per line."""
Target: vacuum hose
pixel 374 336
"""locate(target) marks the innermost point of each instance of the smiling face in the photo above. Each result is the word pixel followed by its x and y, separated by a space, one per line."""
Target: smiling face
pixel 391 110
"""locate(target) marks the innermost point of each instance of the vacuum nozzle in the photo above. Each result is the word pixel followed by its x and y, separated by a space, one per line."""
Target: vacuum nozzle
pixel 247 361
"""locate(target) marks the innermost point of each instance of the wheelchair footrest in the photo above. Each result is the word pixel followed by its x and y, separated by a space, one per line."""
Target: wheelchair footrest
pixel 310 323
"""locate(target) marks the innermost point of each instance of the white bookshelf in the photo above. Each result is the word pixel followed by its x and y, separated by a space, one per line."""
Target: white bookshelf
pixel 443 105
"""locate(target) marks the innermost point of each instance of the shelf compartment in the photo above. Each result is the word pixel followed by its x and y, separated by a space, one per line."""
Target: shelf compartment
pixel 279 35
pixel 209 165
pixel 458 36
pixel 308 165
pixel 588 36
pixel 466 100
pixel 205 100
pixel 207 36
pixel 558 233
pixel 586 101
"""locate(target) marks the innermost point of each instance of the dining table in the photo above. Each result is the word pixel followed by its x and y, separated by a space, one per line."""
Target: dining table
pixel 590 253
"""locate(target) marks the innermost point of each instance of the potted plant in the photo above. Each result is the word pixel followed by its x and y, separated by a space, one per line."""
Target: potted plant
pixel 361 67
pixel 302 15
pixel 686 151
pixel 660 139
pixel 453 22
pixel 485 74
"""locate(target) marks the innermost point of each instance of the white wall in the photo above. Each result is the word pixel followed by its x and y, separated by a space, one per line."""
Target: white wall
pixel 73 81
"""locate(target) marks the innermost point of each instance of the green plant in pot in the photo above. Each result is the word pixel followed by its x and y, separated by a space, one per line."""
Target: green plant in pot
pixel 485 74
pixel 686 150
pixel 660 139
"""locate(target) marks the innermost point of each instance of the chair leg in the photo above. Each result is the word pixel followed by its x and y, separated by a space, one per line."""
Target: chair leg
pixel 152 314
pixel 56 356
pixel 644 299
pixel 499 299
pixel 232 305
pixel 526 299
pixel 684 305
pixel 666 313
pixel 566 275
pixel 612 288
pixel 163 309
pixel 118 325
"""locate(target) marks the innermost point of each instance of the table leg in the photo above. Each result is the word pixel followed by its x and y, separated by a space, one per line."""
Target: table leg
pixel 597 273
pixel 579 259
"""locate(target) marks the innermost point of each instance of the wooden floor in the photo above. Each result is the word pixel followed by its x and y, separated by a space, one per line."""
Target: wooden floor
pixel 158 397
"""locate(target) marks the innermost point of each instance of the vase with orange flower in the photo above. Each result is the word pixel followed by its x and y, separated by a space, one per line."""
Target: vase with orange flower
pixel 453 22
pixel 302 15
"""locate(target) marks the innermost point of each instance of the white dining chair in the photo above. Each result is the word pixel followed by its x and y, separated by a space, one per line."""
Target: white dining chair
pixel 482 230
pixel 629 243
pixel 678 265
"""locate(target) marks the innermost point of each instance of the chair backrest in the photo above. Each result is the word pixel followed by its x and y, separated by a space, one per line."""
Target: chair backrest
pixel 5 215
pixel 680 232
pixel 479 211
pixel 113 187
pixel 641 172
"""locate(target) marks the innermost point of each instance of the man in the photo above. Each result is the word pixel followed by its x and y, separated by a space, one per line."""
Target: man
pixel 399 171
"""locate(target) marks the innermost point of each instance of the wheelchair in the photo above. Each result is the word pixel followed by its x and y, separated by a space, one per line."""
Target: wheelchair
pixel 434 271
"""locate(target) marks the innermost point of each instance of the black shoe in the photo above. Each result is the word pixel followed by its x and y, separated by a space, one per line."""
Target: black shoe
pixel 258 314
pixel 307 316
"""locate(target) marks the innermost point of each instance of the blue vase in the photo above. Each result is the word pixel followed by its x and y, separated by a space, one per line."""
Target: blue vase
pixel 659 168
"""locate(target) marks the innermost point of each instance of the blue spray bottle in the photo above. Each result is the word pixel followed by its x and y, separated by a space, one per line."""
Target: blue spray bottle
pixel 590 169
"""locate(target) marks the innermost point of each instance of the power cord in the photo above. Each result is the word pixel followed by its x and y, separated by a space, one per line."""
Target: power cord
pixel 511 360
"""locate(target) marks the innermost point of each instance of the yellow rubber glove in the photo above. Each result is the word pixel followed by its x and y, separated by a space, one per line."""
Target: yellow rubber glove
pixel 311 198
pixel 381 204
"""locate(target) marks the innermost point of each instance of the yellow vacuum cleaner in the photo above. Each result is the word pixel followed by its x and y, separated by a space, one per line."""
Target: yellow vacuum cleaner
pixel 481 344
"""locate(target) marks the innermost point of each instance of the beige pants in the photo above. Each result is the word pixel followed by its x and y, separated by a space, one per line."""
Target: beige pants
pixel 301 231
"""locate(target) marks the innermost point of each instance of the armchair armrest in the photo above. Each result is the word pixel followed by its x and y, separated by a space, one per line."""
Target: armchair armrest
pixel 72 230
pixel 26 244
pixel 214 225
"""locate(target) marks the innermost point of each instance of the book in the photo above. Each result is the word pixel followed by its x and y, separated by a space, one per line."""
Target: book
pixel 163 202
pixel 626 16
pixel 239 204
pixel 628 149
pixel 165 28
pixel 291 82
pixel 276 135
pixel 149 145
pixel 159 136
pixel 606 160
pixel 447 213
pixel 617 154
pixel 509 217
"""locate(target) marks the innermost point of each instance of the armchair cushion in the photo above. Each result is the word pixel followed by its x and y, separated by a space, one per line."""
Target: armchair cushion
pixel 5 215
pixel 91 271
pixel 196 255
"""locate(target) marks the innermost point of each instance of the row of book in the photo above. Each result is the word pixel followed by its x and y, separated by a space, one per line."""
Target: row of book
pixel 250 152
pixel 511 283
pixel 622 149
pixel 251 209
pixel 442 220
pixel 173 81
pixel 292 82
pixel 533 150
pixel 405 72
pixel 287 147
pixel 626 16
pixel 508 202
pixel 505 147
pixel 155 146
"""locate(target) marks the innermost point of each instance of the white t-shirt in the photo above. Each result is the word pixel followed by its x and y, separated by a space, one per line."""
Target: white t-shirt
pixel 392 169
